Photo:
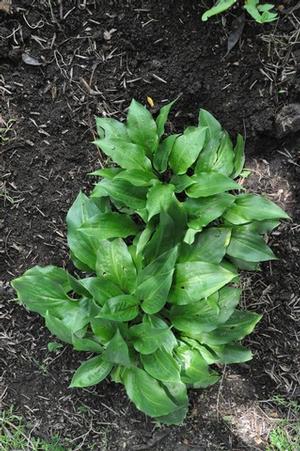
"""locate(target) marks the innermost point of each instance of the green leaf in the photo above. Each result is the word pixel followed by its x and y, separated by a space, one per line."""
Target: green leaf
pixel 83 248
pixel 250 207
pixel 186 150
pixel 249 246
pixel 126 154
pixel 245 265
pixel 109 225
pixel 122 191
pixel 209 246
pixel 237 327
pixel 209 155
pixel 81 210
pixel 149 335
pixel 146 393
pixel 114 263
pixel 111 128
pixel 117 351
pixel 107 173
pixel 161 156
pixel 255 9
pixel 86 344
pixel 141 240
pixel 260 227
pixel 207 120
pixel 224 162
pixel 182 182
pixel 163 117
pixel 154 282
pixel 101 289
pixel 205 210
pixel 58 328
pixel 169 232
pixel 228 299
pixel 158 197
pixel 120 308
pixel 141 127
pixel 91 372
pixel 210 183
pixel 137 177
pixel 178 393
pixel 103 329
pixel 232 353
pixel 206 315
pixel 162 366
pixel 239 158
pixel 220 6
pixel 194 368
pixel 41 290
pixel 197 280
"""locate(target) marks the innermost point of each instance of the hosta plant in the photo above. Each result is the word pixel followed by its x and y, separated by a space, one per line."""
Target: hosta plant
pixel 158 244
pixel 260 12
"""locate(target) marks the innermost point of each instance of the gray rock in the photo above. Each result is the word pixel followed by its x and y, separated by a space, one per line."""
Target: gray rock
pixel 288 120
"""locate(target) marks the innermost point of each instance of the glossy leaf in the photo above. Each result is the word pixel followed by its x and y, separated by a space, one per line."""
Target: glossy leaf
pixel 249 246
pixel 122 191
pixel 86 344
pixel 239 158
pixel 163 117
pixel 232 353
pixel 137 177
pixel 224 162
pixel 237 327
pixel 146 393
pixel 126 154
pixel 103 329
pixel 197 280
pixel 204 210
pixel 108 225
pixel 154 282
pixel 178 393
pixel 120 308
pixel 186 150
pixel 117 351
pixel 111 128
pixel 148 336
pixel 161 157
pixel 162 366
pixel 210 183
pixel 40 292
pixel 250 207
pixel 209 246
pixel 194 368
pixel 91 372
pixel 58 328
pixel 141 127
pixel 158 197
pixel 114 263
pixel 220 6
pixel 101 289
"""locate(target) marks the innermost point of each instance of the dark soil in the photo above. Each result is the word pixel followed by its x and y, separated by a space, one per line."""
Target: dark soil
pixel 94 57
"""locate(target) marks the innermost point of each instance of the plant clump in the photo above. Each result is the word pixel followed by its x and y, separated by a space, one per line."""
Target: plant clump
pixel 158 244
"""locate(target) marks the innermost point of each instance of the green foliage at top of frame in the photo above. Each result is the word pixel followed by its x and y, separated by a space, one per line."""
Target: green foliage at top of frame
pixel 161 239
pixel 260 12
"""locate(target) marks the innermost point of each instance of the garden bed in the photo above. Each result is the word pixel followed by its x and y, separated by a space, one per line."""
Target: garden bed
pixel 92 60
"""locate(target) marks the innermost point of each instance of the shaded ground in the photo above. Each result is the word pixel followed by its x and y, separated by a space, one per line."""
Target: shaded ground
pixel 94 59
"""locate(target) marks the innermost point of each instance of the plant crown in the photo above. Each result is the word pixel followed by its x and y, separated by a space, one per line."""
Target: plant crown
pixel 160 240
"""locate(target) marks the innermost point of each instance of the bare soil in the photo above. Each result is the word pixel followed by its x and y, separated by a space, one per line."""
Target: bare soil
pixel 90 58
